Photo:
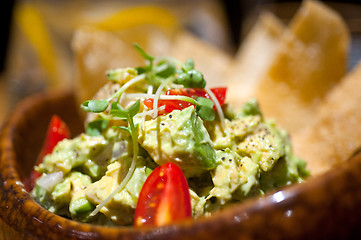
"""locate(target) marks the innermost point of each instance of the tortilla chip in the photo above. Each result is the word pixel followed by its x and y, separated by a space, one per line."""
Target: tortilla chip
pixel 95 53
pixel 335 133
pixel 253 58
pixel 287 68
pixel 310 61
pixel 208 59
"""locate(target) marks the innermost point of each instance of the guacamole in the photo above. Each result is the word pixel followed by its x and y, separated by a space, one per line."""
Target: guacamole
pixel 226 155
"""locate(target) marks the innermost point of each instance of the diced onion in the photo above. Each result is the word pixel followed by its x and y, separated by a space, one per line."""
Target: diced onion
pixel 49 181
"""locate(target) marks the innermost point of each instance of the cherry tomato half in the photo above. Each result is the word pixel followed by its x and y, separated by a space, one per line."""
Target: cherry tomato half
pixel 164 198
pixel 171 105
pixel 219 92
pixel 57 131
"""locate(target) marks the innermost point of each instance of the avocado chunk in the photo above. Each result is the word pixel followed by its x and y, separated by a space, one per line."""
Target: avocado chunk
pixel 62 192
pixel 179 137
pixel 79 204
pixel 235 131
pixel 76 153
pixel 265 145
pixel 233 173
pixel 67 197
pixel 121 208
pixel 289 169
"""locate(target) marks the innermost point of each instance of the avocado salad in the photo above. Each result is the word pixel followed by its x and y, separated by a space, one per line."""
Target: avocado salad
pixel 156 114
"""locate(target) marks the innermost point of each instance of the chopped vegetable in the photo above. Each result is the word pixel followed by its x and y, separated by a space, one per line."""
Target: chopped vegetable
pixel 220 93
pixel 126 114
pixel 164 198
pixel 49 181
pixel 57 131
pixel 155 153
pixel 171 105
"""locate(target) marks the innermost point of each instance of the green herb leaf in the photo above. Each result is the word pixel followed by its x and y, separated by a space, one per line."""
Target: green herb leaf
pixel 205 102
pixel 117 111
pixel 205 109
pixel 168 71
pixel 189 65
pixel 251 108
pixel 134 109
pixel 96 106
pixel 206 113
pixel 154 80
pixel 141 70
pixel 96 127
pixel 128 129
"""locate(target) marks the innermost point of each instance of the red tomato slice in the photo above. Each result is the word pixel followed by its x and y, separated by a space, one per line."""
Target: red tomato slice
pixel 171 105
pixel 57 131
pixel 219 92
pixel 164 198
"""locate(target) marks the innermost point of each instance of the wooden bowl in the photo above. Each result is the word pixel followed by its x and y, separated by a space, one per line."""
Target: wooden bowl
pixel 325 206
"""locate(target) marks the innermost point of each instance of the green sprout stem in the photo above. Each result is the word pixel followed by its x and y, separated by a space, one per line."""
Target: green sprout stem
pixel 181 98
pixel 130 172
pixel 126 86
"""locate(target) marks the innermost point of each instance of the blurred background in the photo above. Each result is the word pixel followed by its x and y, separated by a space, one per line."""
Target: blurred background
pixel 36 53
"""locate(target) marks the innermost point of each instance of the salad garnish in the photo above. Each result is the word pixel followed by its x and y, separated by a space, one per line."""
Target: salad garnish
pixel 158 76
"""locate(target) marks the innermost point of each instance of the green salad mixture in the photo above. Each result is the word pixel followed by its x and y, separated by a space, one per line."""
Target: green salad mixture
pixel 159 113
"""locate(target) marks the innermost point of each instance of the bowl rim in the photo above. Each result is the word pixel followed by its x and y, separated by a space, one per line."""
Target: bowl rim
pixel 37 219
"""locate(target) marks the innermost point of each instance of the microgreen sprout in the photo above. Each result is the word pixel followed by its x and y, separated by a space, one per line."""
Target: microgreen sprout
pixel 143 53
pixel 189 77
pixel 205 109
pixel 189 65
pixel 186 75
pixel 158 72
pixel 98 106
pixel 126 114
pixel 96 127
pixel 95 106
